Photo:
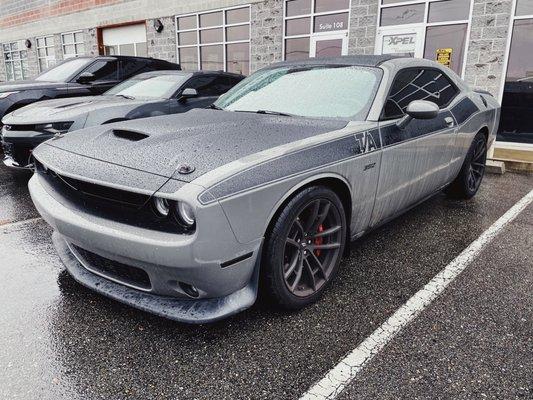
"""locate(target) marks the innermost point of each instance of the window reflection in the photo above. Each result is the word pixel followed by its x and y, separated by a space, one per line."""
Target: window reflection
pixel 516 122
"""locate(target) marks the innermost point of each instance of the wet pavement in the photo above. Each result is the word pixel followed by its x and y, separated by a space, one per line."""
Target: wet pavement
pixel 59 340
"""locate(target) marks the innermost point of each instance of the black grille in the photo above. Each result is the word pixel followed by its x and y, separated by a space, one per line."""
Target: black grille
pixel 21 154
pixel 124 273
pixel 117 205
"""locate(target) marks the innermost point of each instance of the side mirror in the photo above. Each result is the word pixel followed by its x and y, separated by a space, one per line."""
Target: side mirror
pixel 85 77
pixel 418 109
pixel 188 93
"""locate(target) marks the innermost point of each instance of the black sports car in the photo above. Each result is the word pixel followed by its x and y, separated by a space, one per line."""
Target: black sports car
pixel 145 95
pixel 81 76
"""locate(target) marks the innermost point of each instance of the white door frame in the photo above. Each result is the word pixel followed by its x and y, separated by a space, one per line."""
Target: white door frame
pixel 419 30
pixel 329 36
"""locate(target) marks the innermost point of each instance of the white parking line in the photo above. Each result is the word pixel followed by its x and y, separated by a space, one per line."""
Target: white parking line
pixel 347 369
pixel 19 223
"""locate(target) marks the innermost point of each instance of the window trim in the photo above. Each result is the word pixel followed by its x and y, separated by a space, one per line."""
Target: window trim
pixel 425 24
pixel 63 44
pixel 311 17
pixel 224 42
pixel 443 107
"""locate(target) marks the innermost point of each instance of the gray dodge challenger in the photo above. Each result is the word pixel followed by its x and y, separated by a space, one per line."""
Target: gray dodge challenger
pixel 189 216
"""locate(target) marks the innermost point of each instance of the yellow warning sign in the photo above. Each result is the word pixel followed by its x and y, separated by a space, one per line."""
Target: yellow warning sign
pixel 444 56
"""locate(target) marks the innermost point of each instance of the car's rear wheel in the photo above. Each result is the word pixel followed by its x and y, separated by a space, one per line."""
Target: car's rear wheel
pixel 467 183
pixel 304 247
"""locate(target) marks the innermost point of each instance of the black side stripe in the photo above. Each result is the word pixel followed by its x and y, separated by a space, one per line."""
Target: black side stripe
pixel 333 152
pixel 391 134
pixel 293 163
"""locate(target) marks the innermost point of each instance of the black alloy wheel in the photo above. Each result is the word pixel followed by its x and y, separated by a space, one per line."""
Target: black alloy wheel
pixel 304 249
pixel 467 183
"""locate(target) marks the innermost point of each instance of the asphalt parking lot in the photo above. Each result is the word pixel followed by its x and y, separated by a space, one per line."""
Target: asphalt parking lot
pixel 61 341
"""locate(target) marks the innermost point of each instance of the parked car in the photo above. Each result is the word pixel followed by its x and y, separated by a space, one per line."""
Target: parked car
pixel 81 76
pixel 145 95
pixel 185 215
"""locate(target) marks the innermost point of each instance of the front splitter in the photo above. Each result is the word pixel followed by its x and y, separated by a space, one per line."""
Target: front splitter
pixel 183 310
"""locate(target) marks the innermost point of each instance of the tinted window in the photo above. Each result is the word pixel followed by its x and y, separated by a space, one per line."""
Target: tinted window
pixel 418 84
pixel 135 66
pixel 104 70
pixel 211 85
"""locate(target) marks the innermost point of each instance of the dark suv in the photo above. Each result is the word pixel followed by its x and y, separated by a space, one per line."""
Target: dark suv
pixel 81 76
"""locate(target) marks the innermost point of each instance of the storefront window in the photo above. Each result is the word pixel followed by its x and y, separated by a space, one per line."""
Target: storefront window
pixel 16 61
pixel 516 122
pixel 447 37
pixel 448 10
pixel 401 15
pixel 73 45
pixel 46 54
pixel 524 7
pixel 215 40
pixel 308 23
pixel 433 29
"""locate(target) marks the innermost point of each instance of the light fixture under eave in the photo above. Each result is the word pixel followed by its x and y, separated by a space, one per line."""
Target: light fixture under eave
pixel 158 26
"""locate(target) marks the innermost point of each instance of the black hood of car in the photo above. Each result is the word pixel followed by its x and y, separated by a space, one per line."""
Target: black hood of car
pixel 29 85
pixel 204 139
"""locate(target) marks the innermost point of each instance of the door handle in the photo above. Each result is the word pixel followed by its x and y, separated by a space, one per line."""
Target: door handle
pixel 449 122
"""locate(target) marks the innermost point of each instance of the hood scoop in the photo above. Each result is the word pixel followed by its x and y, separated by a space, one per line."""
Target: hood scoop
pixel 132 136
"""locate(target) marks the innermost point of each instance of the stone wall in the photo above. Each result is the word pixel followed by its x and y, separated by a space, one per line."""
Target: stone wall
pixel 362 36
pixel 487 44
pixel 266 33
pixel 162 45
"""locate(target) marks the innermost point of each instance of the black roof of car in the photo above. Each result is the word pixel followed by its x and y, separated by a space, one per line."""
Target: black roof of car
pixel 360 60
pixel 180 72
pixel 117 57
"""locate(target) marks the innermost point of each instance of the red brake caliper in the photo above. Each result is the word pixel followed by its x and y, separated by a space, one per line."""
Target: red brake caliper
pixel 319 240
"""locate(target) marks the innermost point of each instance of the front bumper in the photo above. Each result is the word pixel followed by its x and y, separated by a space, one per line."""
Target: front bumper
pixel 170 260
pixel 188 311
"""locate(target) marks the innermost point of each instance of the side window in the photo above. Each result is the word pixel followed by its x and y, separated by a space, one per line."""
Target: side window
pixel 133 67
pixel 209 85
pixel 418 84
pixel 103 70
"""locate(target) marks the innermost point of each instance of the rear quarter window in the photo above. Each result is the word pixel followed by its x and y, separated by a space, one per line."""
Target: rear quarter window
pixel 418 84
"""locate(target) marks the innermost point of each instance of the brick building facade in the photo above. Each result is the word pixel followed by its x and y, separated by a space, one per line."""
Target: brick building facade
pixel 475 35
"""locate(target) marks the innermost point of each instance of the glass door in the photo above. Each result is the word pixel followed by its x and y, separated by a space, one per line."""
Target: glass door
pixel 329 45
pixel 516 122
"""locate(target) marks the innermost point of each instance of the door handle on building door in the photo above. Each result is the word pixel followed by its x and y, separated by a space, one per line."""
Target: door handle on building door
pixel 449 122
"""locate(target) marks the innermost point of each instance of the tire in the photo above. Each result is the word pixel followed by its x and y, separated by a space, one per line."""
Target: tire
pixel 303 248
pixel 467 183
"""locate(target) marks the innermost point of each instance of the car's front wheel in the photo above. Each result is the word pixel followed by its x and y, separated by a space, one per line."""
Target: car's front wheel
pixel 304 247
pixel 467 183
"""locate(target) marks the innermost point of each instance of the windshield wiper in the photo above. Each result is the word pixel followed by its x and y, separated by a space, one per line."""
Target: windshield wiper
pixel 267 112
pixel 125 96
pixel 214 107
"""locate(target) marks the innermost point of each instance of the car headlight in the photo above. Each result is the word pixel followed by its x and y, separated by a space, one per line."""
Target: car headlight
pixel 185 214
pixel 55 127
pixel 161 206
pixel 5 94
pixel 180 212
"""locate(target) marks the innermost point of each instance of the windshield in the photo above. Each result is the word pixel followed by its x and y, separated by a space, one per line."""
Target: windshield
pixel 318 92
pixel 162 86
pixel 63 71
